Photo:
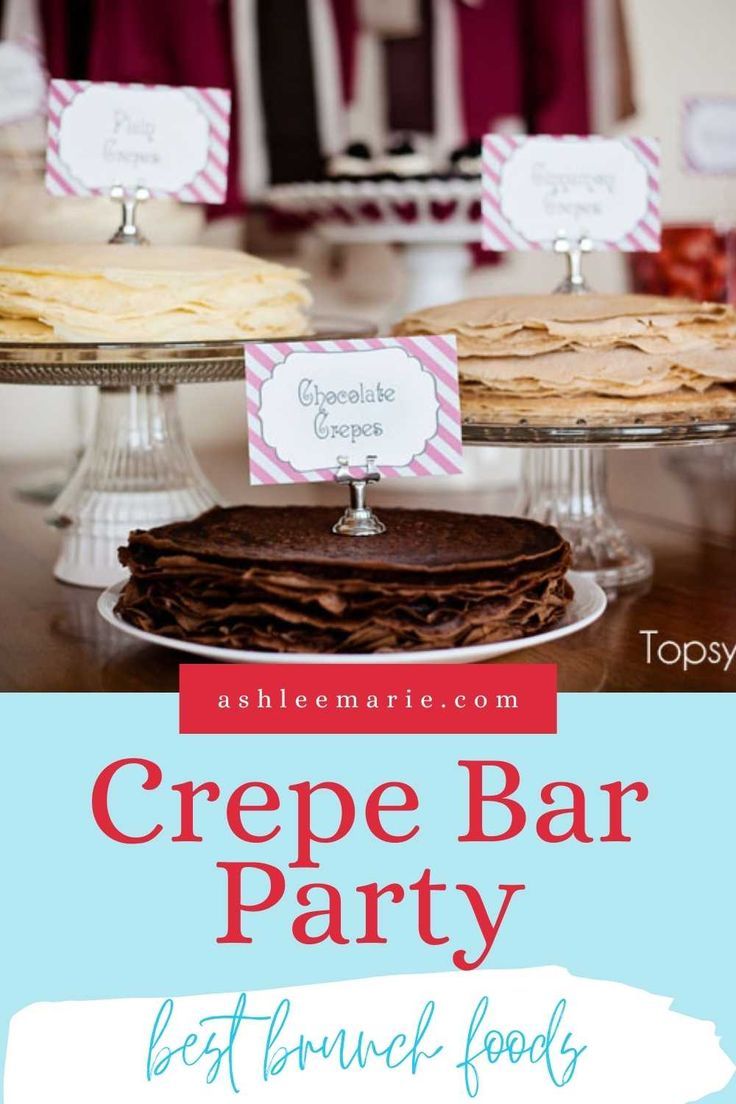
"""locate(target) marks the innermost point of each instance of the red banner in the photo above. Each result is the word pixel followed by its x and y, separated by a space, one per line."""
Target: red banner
pixel 367 698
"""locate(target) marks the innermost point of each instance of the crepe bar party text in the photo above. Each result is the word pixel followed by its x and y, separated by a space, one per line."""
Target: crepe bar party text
pixel 322 814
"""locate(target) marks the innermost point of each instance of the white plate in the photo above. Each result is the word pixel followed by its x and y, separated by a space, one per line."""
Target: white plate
pixel 586 607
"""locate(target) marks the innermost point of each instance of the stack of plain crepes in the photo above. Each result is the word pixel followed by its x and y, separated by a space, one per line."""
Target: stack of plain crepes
pixel 588 355
pixel 277 579
pixel 120 293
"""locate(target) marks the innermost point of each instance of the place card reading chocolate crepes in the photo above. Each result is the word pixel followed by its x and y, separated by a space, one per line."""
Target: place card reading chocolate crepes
pixel 588 354
pixel 277 579
pixel 113 293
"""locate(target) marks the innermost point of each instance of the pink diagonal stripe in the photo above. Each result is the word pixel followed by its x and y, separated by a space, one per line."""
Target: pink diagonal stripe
pixel 494 144
pixel 646 229
pixel 56 93
pixel 434 454
pixel 217 189
pixel 260 356
pixel 268 452
pixel 282 347
pixel 494 199
pixel 506 145
pixel 496 233
pixel 418 468
pixel 199 195
pixel 218 138
pixel 214 174
pixel 257 471
pixel 492 158
pixel 428 360
pixel 646 149
pixel 449 439
pixel 450 412
pixel 448 348
pixel 59 180
pixel 256 373
pixel 492 174
pixel 213 102
pixel 218 163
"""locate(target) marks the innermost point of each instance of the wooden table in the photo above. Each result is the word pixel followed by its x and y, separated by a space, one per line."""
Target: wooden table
pixel 52 638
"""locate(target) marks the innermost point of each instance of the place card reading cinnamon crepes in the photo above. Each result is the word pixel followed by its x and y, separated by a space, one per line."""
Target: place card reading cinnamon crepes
pixel 277 579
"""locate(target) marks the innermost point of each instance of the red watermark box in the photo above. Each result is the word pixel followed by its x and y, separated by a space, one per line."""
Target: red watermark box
pixel 367 698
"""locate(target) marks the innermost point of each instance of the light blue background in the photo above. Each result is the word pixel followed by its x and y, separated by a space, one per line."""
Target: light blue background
pixel 83 917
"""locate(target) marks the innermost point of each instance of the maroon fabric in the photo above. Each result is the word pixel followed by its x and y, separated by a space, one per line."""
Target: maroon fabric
pixel 63 25
pixel 525 58
pixel 491 62
pixel 162 42
pixel 345 14
pixel 556 78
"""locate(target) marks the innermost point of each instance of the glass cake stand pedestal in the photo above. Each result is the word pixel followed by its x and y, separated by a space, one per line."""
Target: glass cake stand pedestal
pixel 138 469
pixel 564 483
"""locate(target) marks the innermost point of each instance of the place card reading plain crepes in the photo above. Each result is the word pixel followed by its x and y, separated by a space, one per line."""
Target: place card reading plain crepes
pixel 709 134
pixel 540 190
pixel 311 402
pixel 172 141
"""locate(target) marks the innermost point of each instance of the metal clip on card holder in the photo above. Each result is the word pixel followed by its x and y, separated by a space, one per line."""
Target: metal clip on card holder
pixel 128 232
pixel 574 282
pixel 358 519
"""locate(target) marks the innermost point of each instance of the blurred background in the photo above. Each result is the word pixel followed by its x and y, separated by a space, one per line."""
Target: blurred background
pixel 310 76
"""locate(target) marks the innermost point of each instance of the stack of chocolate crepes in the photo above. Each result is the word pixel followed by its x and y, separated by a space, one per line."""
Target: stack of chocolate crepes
pixel 277 579
pixel 607 357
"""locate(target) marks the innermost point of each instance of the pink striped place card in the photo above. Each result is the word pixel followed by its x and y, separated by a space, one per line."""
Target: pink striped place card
pixel 709 135
pixel 172 141
pixel 311 403
pixel 542 189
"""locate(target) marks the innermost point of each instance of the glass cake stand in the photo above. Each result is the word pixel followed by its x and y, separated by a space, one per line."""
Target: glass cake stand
pixel 564 480
pixel 434 220
pixel 138 469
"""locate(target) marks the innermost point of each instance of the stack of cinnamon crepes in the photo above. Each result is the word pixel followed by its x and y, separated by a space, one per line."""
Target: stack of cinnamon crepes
pixel 588 356
pixel 277 579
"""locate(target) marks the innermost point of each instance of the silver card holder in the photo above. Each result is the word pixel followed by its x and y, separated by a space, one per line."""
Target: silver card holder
pixel 574 282
pixel 128 233
pixel 358 519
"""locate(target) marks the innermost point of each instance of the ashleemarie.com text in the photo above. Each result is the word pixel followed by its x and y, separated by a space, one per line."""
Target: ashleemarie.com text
pixel 210 1045
pixel 286 699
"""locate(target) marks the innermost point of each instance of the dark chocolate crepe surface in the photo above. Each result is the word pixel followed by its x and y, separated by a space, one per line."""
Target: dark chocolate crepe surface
pixel 416 540
pixel 278 579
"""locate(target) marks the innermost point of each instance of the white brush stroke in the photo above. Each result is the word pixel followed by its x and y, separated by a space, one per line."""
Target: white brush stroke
pixel 638 1049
